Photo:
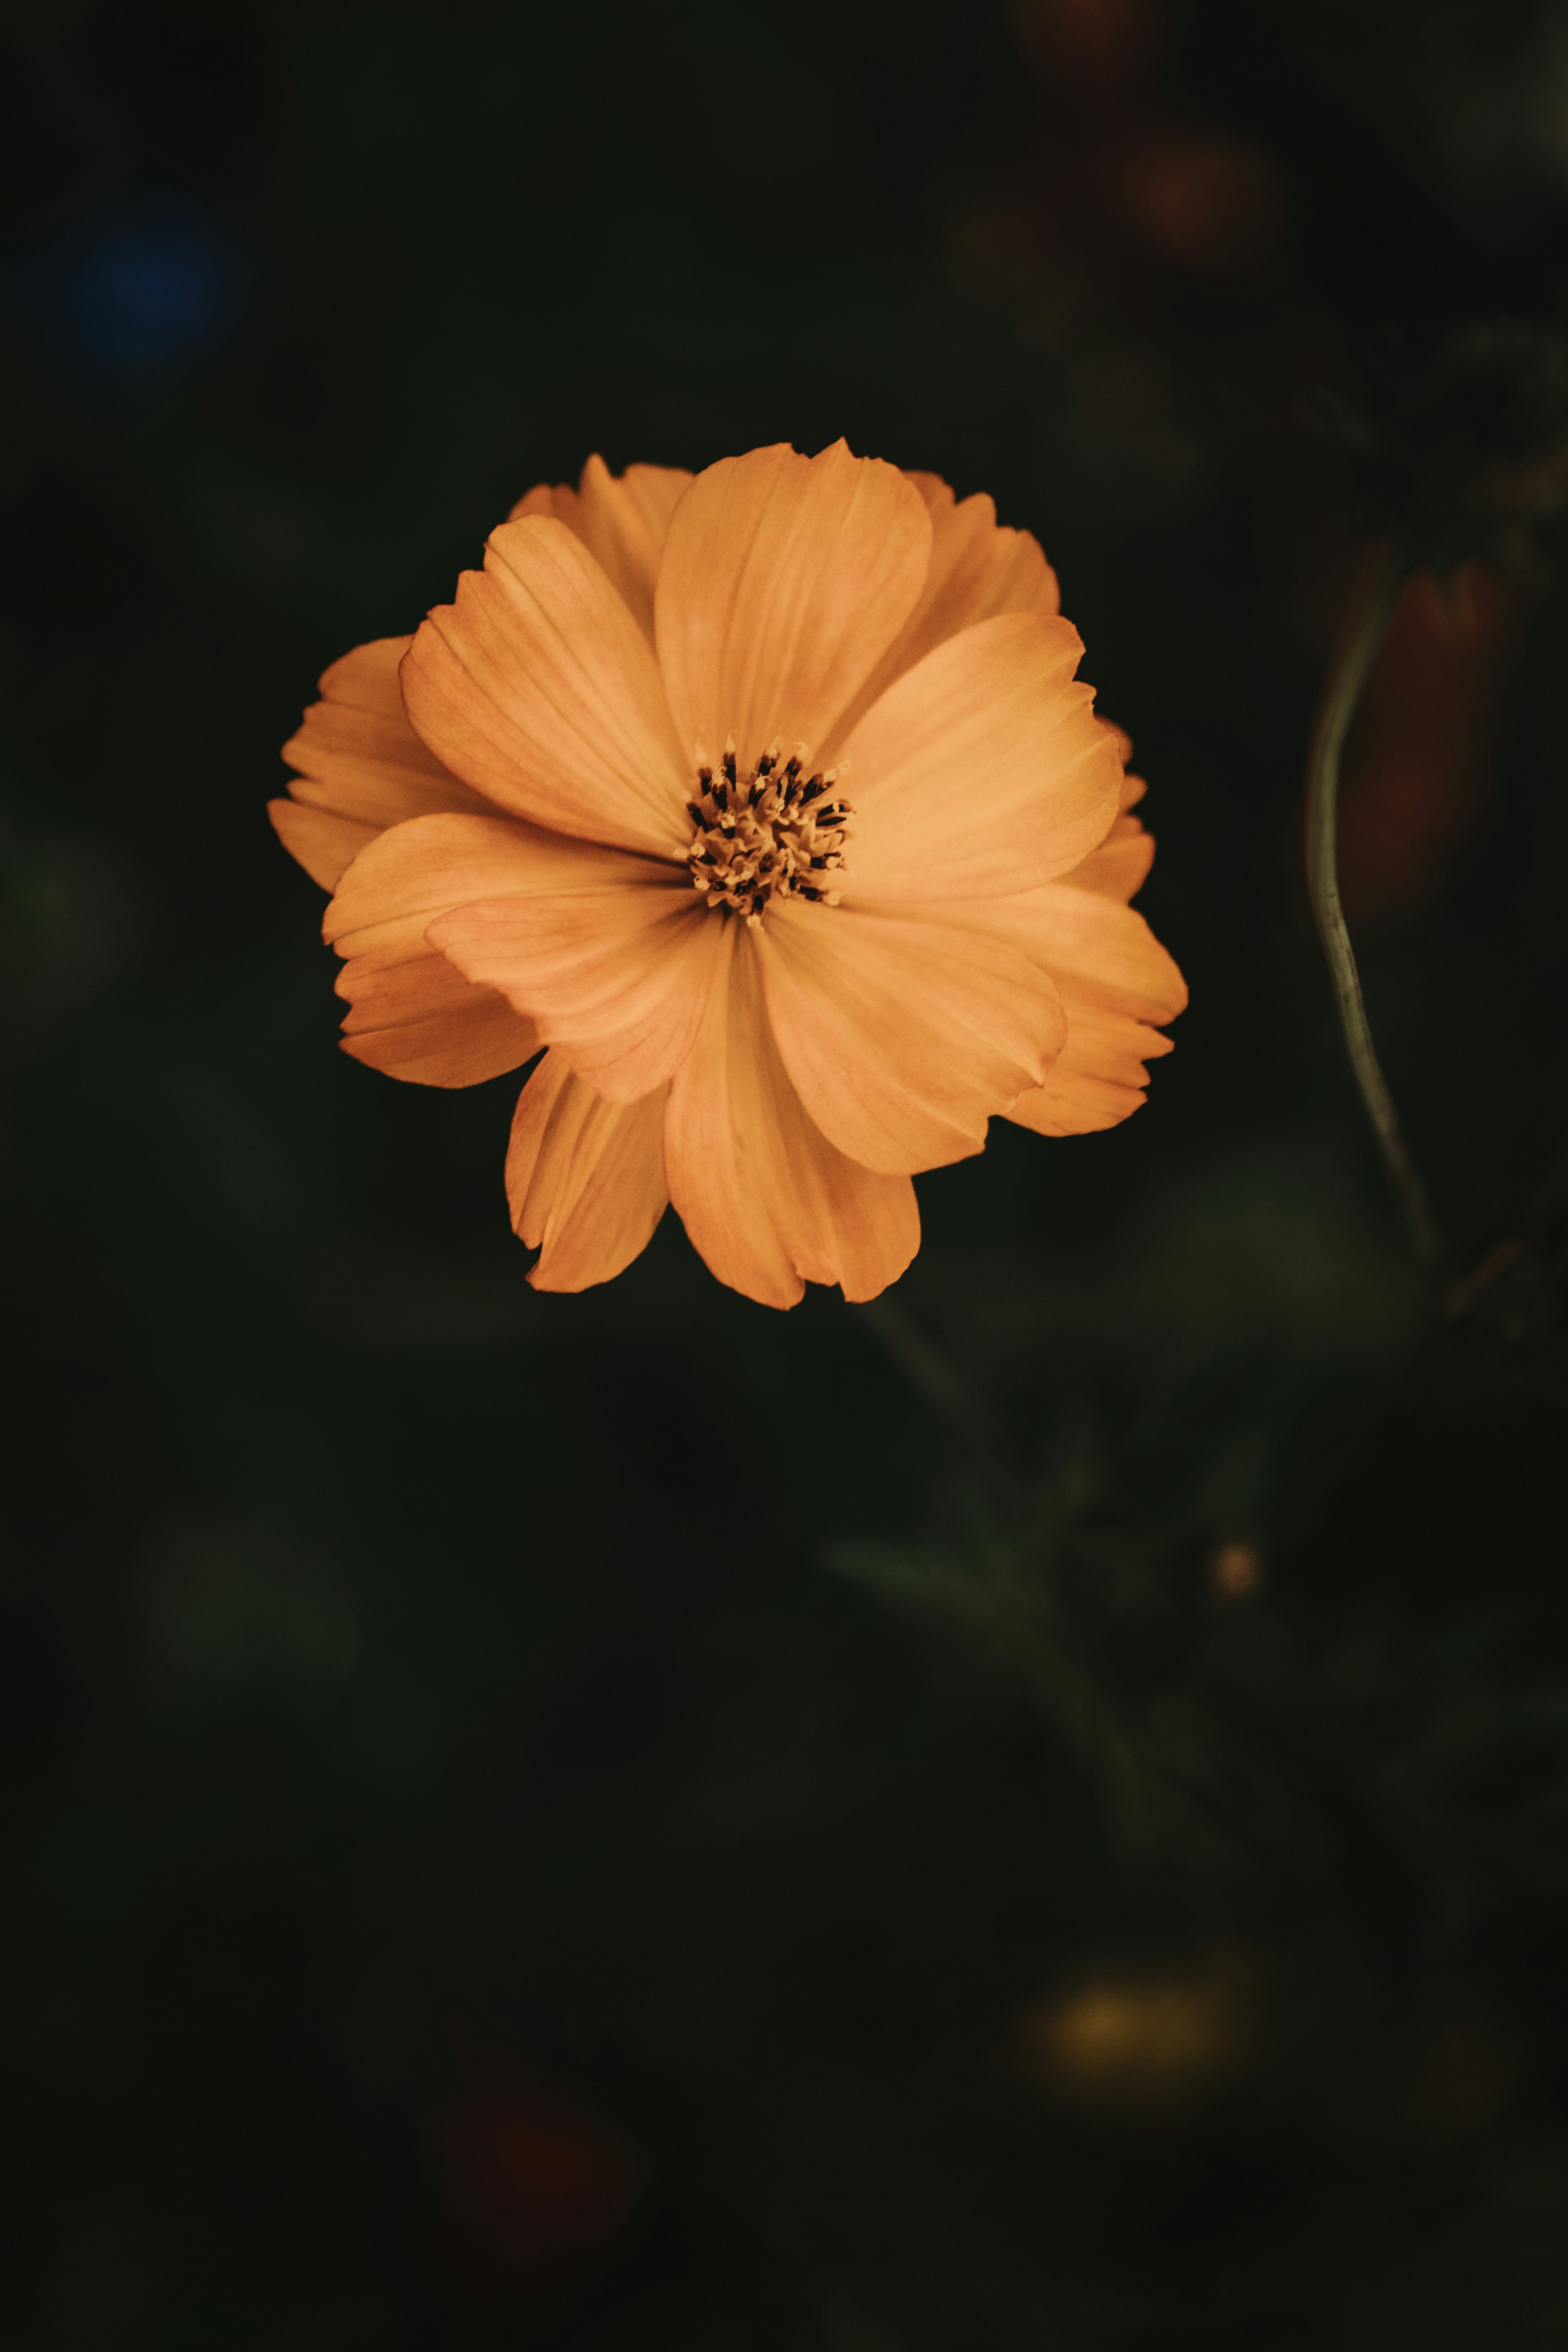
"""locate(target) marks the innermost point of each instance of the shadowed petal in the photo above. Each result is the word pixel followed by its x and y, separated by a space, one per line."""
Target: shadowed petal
pixel 622 521
pixel 904 1033
pixel 1120 866
pixel 585 1178
pixel 396 888
pixel 361 766
pixel 768 1202
pixel 417 1018
pixel 784 580
pixel 983 769
pixel 979 568
pixel 539 689
pixel 616 978
pixel 323 845
pixel 415 1015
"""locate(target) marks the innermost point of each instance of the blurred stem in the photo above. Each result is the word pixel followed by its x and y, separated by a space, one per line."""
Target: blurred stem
pixel 1006 1595
pixel 1365 626
pixel 937 1380
pixel 1068 1695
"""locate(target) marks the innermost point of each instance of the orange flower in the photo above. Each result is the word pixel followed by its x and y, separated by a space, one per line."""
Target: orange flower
pixel 768 801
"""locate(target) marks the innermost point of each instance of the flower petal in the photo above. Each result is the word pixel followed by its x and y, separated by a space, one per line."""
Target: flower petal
pixel 415 1015
pixel 1084 936
pixel 979 568
pixel 397 886
pixel 904 1033
pixel 617 977
pixel 418 1019
pixel 767 1200
pixel 361 766
pixel 622 521
pixel 1116 981
pixel 983 769
pixel 323 845
pixel 538 688
pixel 1120 866
pixel 784 580
pixel 1099 1077
pixel 585 1178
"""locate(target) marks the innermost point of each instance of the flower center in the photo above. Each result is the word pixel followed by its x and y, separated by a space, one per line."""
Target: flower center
pixel 775 832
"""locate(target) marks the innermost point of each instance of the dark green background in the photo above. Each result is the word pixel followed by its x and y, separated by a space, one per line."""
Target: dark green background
pixel 417 1691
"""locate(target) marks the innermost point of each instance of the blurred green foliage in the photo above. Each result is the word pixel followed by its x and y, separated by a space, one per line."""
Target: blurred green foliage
pixel 611 1821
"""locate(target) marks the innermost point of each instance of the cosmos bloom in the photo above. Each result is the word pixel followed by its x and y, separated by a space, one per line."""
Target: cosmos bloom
pixel 768 801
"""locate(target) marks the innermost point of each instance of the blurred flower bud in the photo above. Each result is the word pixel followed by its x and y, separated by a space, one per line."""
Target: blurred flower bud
pixel 1419 767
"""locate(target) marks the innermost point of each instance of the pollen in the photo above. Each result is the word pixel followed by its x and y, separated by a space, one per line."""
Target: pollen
pixel 774 832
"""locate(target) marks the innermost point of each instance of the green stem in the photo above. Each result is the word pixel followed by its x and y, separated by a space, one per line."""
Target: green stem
pixel 1366 624
pixel 935 1377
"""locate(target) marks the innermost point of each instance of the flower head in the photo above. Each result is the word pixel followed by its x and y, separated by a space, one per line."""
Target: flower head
pixel 769 803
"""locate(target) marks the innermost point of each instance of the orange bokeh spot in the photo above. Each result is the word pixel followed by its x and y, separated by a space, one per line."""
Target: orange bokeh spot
pixel 1210 206
pixel 1103 41
pixel 531 2178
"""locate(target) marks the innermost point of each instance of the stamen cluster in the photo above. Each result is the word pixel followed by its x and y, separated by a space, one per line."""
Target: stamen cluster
pixel 775 832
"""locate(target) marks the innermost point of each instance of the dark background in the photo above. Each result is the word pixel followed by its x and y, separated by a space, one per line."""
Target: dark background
pixel 466 1883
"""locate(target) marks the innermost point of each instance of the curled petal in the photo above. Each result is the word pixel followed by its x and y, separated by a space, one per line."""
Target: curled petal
pixel 1099 1078
pixel 904 1033
pixel 621 520
pixel 784 580
pixel 979 568
pixel 539 689
pixel 1116 982
pixel 768 1202
pixel 417 1018
pixel 616 978
pixel 361 766
pixel 981 770
pixel 585 1178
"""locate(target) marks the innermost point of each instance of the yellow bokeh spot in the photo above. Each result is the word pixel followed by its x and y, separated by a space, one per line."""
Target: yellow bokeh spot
pixel 1150 2042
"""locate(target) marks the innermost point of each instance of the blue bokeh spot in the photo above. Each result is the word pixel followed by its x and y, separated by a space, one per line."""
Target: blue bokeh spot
pixel 131 297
